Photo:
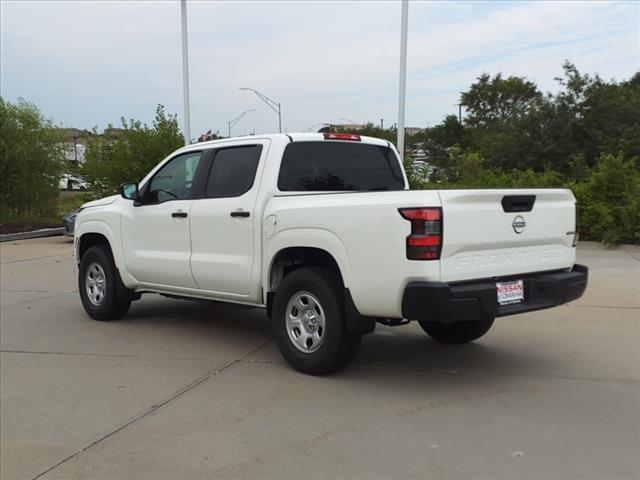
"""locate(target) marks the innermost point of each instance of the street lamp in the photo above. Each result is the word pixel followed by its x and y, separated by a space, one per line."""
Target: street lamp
pixel 272 105
pixel 237 119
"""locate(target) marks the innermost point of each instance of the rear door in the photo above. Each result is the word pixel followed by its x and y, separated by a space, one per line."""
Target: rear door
pixel 494 233
pixel 224 223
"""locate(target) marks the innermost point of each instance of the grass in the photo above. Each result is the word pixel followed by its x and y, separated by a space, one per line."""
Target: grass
pixel 67 203
pixel 71 201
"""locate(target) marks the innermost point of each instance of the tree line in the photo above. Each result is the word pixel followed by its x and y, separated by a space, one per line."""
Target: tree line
pixel 585 137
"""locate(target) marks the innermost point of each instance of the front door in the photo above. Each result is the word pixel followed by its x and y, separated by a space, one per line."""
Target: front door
pixel 223 223
pixel 155 231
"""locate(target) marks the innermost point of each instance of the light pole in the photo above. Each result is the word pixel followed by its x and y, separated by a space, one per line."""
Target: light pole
pixel 459 105
pixel 273 105
pixel 185 74
pixel 403 75
pixel 237 119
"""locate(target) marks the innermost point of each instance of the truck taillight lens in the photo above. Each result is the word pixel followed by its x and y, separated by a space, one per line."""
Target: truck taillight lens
pixel 425 241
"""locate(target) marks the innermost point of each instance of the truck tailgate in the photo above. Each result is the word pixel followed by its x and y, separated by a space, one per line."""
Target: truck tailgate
pixel 487 235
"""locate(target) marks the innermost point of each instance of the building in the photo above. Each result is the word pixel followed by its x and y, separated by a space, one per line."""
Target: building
pixel 74 145
pixel 413 130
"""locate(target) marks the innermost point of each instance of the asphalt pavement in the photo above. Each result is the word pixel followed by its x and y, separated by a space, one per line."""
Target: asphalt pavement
pixel 189 390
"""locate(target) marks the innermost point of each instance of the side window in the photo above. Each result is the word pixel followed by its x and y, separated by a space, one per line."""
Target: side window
pixel 174 180
pixel 233 171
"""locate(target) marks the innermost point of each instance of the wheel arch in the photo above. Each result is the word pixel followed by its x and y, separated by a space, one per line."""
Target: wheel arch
pixel 95 232
pixel 291 258
pixel 91 239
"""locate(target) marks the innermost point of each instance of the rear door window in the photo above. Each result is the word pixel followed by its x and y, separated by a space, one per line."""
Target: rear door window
pixel 233 171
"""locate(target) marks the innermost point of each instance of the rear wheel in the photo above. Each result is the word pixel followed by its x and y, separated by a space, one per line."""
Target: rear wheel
pixel 457 332
pixel 103 295
pixel 309 322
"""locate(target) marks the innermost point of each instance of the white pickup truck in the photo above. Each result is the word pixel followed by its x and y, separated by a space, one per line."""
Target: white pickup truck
pixel 323 231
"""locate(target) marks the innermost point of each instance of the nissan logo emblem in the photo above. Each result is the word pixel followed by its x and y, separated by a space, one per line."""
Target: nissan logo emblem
pixel 518 224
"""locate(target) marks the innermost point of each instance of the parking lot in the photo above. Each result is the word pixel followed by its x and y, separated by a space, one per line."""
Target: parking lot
pixel 182 389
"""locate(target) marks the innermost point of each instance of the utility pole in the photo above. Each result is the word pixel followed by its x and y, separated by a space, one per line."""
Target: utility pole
pixel 403 76
pixel 382 124
pixel 185 74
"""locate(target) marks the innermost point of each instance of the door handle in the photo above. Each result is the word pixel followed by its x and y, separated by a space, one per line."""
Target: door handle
pixel 240 213
pixel 179 214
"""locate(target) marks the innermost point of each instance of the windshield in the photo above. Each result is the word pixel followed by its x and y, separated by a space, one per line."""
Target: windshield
pixel 339 166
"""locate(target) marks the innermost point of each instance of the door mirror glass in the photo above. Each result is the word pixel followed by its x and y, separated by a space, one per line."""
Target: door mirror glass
pixel 129 191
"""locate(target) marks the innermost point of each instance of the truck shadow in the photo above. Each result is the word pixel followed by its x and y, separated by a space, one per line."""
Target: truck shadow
pixel 186 314
pixel 410 353
pixel 389 353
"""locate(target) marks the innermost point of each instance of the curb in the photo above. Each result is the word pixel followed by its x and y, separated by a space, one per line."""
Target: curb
pixel 45 232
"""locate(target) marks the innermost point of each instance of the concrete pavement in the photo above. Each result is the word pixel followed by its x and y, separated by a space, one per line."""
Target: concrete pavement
pixel 180 389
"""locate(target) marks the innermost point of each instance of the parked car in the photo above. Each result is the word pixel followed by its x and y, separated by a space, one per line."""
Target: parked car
pixel 69 222
pixel 73 182
pixel 322 231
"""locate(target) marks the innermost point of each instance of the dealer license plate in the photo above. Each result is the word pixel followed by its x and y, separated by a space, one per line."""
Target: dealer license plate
pixel 510 292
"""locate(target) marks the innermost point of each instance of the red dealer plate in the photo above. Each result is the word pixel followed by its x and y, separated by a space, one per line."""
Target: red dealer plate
pixel 510 292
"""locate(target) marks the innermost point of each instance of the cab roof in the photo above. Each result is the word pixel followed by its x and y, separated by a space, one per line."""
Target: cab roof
pixel 296 137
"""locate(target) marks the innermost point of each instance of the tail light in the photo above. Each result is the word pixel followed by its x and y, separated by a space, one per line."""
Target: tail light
pixel 342 136
pixel 425 241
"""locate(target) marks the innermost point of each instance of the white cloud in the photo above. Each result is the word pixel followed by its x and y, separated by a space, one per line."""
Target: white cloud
pixel 88 63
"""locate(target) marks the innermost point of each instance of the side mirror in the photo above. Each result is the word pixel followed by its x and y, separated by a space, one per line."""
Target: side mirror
pixel 129 191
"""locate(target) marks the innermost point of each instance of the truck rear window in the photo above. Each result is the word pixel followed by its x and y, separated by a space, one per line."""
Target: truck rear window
pixel 339 166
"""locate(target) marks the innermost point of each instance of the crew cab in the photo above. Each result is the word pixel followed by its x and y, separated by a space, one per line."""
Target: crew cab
pixel 323 232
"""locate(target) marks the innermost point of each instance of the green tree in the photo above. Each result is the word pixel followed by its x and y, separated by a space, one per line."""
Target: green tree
pixel 31 158
pixel 130 156
pixel 438 143
pixel 494 103
pixel 503 121
pixel 592 117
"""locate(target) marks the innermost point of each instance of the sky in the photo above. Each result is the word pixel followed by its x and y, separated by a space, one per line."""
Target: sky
pixel 88 64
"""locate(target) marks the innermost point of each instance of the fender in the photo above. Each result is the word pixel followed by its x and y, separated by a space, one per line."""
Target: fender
pixel 103 228
pixel 306 237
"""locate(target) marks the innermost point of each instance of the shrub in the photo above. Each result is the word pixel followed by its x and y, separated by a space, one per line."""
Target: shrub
pixel 609 202
pixel 30 163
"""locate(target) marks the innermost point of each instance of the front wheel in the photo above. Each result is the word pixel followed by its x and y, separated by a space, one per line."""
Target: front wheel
pixel 457 332
pixel 103 295
pixel 309 322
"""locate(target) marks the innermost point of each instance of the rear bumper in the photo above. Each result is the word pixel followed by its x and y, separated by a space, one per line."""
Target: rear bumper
pixel 445 302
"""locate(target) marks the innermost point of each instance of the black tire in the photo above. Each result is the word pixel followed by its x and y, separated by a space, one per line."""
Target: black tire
pixel 116 299
pixel 337 346
pixel 458 332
